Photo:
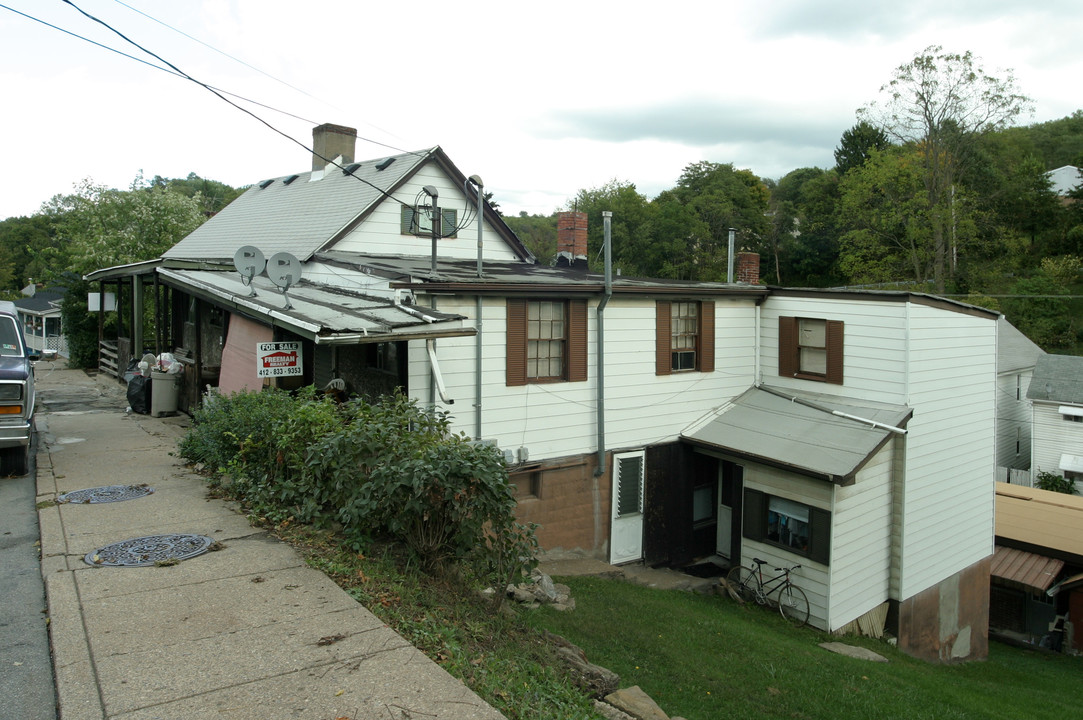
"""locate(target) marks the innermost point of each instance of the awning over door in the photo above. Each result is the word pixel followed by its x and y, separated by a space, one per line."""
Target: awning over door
pixel 816 435
pixel 1025 570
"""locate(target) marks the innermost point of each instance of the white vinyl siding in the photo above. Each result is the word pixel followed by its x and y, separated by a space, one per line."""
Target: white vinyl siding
pixel 813 577
pixel 559 420
pixel 380 233
pixel 861 541
pixel 951 454
pixel 1013 420
pixel 1053 436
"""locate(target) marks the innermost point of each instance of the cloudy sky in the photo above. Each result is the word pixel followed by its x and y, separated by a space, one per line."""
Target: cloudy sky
pixel 539 99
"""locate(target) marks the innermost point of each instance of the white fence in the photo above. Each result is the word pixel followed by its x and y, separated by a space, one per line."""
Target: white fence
pixel 1013 476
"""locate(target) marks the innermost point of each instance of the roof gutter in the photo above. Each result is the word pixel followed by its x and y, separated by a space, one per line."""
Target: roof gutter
pixel 836 413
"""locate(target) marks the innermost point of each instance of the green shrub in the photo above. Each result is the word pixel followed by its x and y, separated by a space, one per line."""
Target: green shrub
pixel 367 468
pixel 1055 483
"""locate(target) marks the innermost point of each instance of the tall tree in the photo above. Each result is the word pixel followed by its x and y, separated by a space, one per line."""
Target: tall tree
pixel 102 227
pixel 939 102
pixel 857 144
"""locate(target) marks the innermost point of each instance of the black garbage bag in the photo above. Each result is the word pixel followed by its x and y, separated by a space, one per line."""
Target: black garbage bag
pixel 139 394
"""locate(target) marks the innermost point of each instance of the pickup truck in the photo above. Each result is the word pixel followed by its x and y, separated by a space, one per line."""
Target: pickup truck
pixel 16 393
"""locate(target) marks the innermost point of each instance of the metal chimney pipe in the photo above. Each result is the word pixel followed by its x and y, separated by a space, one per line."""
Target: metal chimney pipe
pixel 729 266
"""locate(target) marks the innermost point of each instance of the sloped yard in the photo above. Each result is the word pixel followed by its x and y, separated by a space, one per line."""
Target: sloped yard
pixel 704 657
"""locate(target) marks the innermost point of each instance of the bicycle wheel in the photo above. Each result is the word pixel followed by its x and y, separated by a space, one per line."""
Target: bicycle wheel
pixel 793 604
pixel 744 583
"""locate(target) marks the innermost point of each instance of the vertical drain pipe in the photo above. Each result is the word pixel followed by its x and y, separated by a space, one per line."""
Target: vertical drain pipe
pixel 480 186
pixel 607 219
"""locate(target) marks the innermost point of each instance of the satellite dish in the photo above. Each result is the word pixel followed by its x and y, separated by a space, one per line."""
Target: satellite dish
pixel 249 263
pixel 284 270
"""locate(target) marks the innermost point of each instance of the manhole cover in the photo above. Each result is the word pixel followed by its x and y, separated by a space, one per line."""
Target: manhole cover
pixel 110 493
pixel 150 550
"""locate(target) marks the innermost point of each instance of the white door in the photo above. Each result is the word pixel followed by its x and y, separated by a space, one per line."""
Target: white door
pixel 626 528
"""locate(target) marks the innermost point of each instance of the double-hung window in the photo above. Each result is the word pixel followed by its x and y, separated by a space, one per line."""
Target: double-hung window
pixel 810 349
pixel 418 221
pixel 799 528
pixel 684 336
pixel 546 341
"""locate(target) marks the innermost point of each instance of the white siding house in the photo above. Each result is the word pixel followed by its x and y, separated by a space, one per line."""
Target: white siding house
pixel 647 420
pixel 1056 396
pixel 1016 358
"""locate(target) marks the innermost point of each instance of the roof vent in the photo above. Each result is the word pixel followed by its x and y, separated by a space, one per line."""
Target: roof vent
pixel 351 168
pixel 290 179
pixel 263 185
pixel 383 164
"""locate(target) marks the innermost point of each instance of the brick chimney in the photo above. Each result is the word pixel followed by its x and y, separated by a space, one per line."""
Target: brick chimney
pixel 330 141
pixel 572 239
pixel 748 268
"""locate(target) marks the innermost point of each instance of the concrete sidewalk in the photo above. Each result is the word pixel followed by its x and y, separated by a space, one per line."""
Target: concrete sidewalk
pixel 248 631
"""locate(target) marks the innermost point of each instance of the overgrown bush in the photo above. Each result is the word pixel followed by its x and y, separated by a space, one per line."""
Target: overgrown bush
pixel 367 468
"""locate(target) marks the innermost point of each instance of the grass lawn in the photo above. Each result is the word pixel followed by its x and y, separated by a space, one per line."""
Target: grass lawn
pixel 705 657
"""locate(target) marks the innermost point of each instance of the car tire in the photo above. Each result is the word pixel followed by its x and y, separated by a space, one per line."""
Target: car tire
pixel 15 461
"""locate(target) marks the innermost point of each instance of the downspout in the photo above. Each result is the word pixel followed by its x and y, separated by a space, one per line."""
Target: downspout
pixel 477 314
pixel 607 219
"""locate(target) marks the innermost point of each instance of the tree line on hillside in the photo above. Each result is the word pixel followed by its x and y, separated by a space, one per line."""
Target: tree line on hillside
pixel 933 190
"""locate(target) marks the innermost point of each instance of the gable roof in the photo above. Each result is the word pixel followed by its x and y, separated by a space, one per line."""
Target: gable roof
pixel 306 212
pixel 1015 351
pixel 803 433
pixel 1065 179
pixel 1057 378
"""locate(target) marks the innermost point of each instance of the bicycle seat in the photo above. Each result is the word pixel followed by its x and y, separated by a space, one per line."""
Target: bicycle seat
pixel 759 562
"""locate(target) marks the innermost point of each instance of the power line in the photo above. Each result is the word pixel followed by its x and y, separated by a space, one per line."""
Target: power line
pixel 150 64
pixel 220 96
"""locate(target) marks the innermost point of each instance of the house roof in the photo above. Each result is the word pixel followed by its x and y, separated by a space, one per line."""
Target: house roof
pixel 1015 351
pixel 1057 378
pixel 1020 568
pixel 1065 179
pixel 306 212
pixel 1040 520
pixel 323 314
pixel 42 302
pixel 517 277
pixel 817 435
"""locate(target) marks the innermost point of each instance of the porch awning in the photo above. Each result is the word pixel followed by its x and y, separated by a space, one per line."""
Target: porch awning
pixel 816 435
pixel 324 314
pixel 1025 570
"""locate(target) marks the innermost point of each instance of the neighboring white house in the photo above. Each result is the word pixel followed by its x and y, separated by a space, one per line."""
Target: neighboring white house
pixel 1065 179
pixel 41 321
pixel 1016 358
pixel 1056 396
pixel 643 420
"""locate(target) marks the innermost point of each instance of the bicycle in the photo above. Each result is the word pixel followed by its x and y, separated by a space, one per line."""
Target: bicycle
pixel 750 585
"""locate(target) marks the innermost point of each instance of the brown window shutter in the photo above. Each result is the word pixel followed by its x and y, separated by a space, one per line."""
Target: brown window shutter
pixel 516 342
pixel 787 346
pixel 706 337
pixel 577 340
pixel 834 352
pixel 663 355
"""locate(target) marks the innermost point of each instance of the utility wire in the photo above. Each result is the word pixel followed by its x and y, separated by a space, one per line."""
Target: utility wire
pixel 238 107
pixel 150 64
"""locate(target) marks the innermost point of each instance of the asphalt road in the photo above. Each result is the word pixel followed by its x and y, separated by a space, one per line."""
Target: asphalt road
pixel 26 669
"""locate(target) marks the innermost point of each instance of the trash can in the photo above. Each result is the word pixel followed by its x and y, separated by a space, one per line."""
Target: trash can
pixel 164 392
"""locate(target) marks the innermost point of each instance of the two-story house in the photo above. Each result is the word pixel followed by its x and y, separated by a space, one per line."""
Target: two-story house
pixel 641 419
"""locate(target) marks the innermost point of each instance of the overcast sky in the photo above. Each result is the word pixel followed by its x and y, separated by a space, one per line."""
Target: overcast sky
pixel 539 99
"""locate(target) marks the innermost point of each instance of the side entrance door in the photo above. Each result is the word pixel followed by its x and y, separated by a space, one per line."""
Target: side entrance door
pixel 626 501
pixel 730 484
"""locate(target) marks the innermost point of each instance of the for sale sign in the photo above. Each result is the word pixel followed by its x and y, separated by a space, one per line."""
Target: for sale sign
pixel 278 359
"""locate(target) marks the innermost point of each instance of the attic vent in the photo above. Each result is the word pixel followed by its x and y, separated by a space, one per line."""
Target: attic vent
pixel 383 164
pixel 290 179
pixel 350 169
pixel 265 183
